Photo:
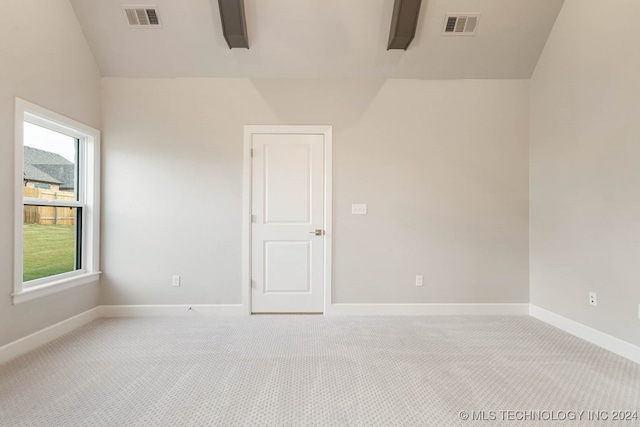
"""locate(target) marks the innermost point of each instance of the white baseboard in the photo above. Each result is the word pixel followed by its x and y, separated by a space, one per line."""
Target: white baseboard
pixel 608 342
pixel 37 339
pixel 428 309
pixel 172 310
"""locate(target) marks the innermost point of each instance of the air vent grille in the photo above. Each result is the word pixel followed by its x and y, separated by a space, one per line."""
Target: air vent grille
pixel 142 16
pixel 461 25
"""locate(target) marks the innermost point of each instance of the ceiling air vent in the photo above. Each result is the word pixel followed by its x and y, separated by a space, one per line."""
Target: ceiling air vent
pixel 142 16
pixel 461 25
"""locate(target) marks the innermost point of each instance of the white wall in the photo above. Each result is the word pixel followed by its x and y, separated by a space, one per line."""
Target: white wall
pixel 45 60
pixel 585 174
pixel 442 165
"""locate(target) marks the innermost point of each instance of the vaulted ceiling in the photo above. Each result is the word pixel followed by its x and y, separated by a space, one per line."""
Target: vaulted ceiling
pixel 318 38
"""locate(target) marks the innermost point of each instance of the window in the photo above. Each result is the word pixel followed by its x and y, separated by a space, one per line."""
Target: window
pixel 57 202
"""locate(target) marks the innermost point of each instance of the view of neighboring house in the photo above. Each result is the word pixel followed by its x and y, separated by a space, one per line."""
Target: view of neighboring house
pixel 47 171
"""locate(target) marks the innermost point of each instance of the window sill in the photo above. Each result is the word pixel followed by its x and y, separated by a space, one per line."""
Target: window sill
pixel 53 287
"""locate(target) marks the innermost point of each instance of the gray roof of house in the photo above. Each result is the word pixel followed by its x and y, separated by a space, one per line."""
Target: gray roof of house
pixel 44 166
pixel 32 173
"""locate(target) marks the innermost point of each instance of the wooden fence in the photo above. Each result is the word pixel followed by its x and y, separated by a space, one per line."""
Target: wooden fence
pixel 49 215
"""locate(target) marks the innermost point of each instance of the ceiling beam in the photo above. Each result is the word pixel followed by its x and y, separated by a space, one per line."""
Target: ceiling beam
pixel 234 23
pixel 403 23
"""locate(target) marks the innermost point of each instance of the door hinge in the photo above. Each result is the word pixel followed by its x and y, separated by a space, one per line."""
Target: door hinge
pixel 252 152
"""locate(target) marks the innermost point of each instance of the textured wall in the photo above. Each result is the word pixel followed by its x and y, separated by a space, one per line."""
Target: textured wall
pixel 585 152
pixel 45 60
pixel 442 165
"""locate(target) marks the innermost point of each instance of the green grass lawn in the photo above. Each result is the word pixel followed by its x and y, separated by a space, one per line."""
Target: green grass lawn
pixel 48 250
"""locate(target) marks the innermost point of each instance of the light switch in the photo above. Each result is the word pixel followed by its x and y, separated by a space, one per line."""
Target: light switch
pixel 359 209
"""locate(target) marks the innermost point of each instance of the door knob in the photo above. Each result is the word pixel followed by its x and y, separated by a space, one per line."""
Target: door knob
pixel 317 232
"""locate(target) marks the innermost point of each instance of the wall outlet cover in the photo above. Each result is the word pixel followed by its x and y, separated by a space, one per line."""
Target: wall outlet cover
pixel 359 209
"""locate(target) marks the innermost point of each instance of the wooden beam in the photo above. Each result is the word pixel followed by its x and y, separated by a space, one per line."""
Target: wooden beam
pixel 403 23
pixel 234 23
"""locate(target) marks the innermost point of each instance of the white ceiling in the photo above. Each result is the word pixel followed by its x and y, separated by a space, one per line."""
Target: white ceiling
pixel 318 38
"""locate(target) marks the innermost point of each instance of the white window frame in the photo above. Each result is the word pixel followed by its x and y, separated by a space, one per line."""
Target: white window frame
pixel 88 199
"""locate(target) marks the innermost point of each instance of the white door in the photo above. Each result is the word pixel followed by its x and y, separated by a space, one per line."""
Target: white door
pixel 287 230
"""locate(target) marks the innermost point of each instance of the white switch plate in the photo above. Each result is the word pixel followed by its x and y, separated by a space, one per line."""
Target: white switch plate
pixel 359 209
pixel 593 299
pixel 175 281
pixel 419 280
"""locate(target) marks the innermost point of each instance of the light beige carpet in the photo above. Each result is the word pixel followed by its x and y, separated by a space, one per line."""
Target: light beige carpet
pixel 316 370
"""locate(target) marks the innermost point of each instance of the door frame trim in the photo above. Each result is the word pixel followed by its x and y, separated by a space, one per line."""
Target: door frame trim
pixel 249 131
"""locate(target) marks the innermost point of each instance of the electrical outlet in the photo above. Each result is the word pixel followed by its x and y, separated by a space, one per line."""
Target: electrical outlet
pixel 639 311
pixel 175 281
pixel 418 280
pixel 593 300
pixel 359 209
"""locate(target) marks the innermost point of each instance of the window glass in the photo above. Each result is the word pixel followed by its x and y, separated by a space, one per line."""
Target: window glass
pixel 50 164
pixel 50 233
pixel 50 241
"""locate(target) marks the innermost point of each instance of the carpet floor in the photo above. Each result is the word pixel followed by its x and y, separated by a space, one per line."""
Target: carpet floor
pixel 317 370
